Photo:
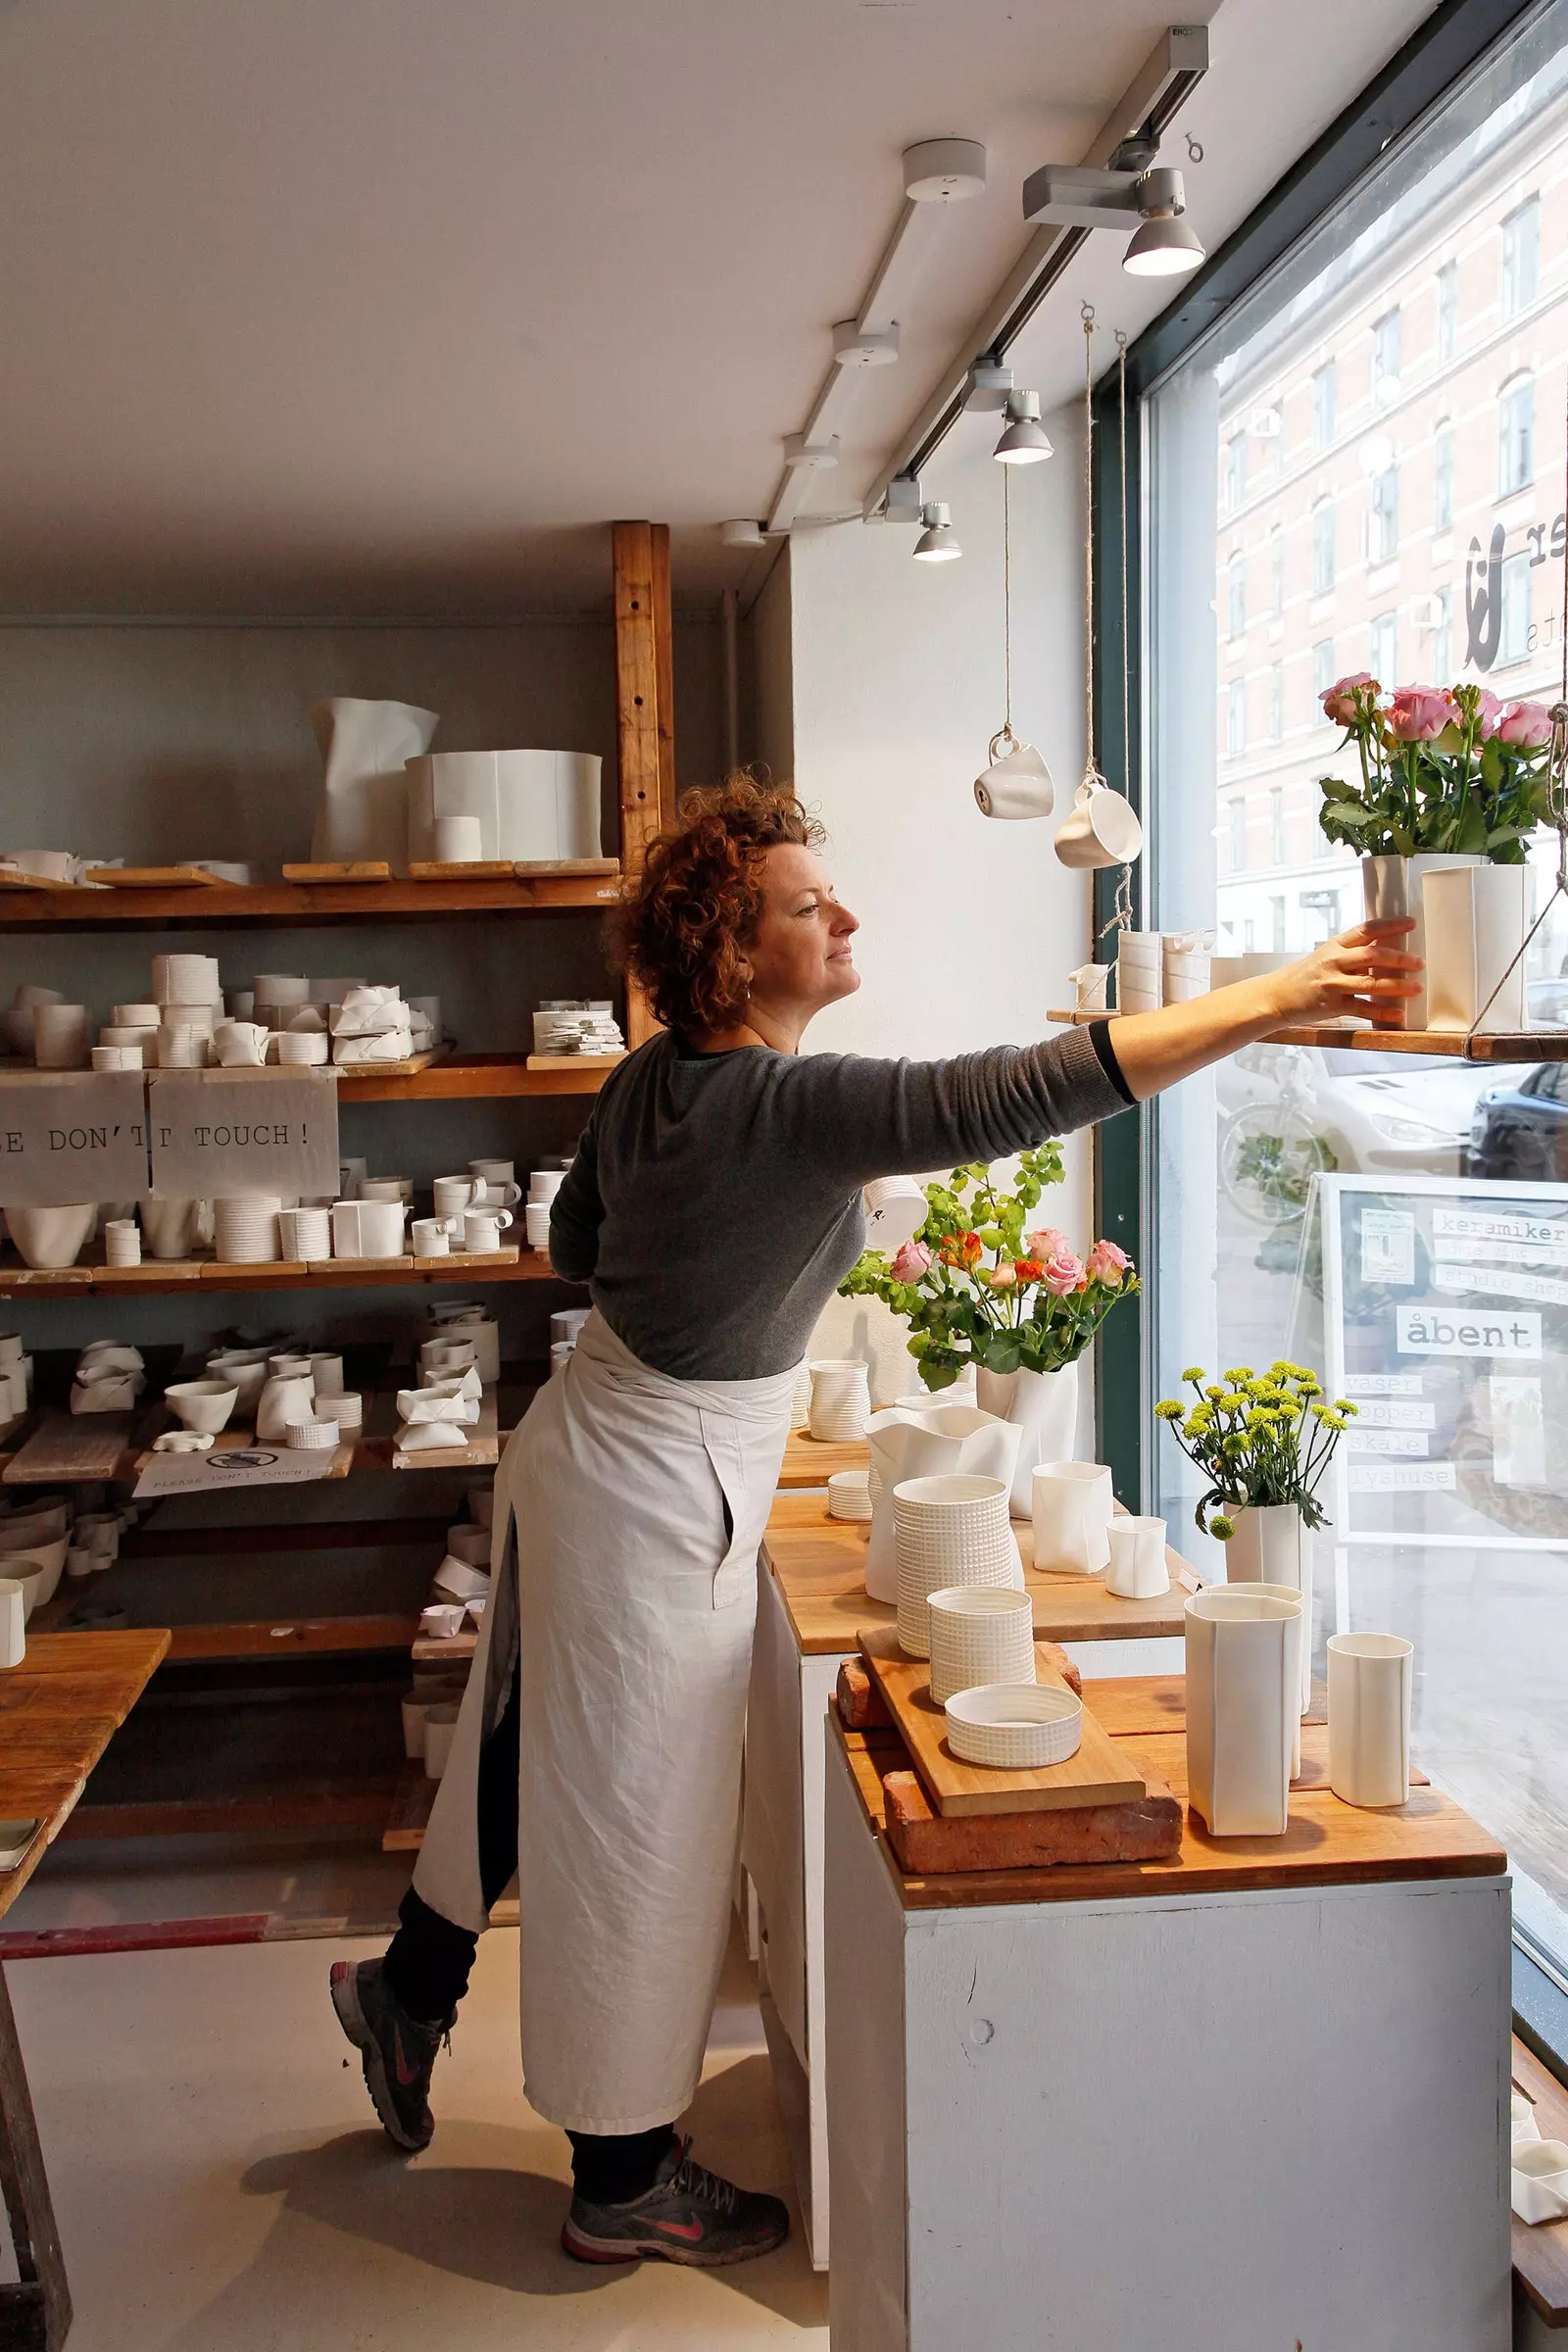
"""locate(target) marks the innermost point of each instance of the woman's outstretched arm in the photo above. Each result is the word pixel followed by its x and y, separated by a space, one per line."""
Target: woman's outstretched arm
pixel 1348 974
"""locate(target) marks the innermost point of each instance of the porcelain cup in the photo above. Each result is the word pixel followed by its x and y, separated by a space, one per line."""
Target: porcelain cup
pixel 13 1621
pixel 170 1227
pixel 247 1229
pixel 327 1371
pixel 1072 1514
pixel 459 841
pixel 494 1171
pixel 302 1048
pixel 1136 1570
pixel 432 1236
pixel 285 1399
pixel 1102 829
pixel 1370 1677
pixel 368 1228
pixel 1018 783
pixel 62 1037
pixel 121 1242
pixel 115 1057
pixel 388 1188
pixel 202 1405
pixel 51 1237
pixel 482 1228
pixel 305 1234
pixel 241 1045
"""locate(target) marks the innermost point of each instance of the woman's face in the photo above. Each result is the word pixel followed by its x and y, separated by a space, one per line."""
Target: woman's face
pixel 801 957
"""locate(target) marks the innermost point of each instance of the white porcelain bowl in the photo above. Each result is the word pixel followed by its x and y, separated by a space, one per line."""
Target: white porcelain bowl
pixel 202 1405
pixel 1015 1727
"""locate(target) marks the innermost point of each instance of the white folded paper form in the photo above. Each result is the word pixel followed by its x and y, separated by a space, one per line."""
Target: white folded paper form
pixel 428 1436
pixel 466 1384
pixel 368 1011
pixel 417 1406
pixel 392 1045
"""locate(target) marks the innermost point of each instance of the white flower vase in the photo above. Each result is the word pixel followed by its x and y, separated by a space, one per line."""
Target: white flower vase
pixel 841 1399
pixel 1273 1546
pixel 365 789
pixel 909 1443
pixel 1044 1406
pixel 1242 1674
pixel 1475 924
pixel 1395 885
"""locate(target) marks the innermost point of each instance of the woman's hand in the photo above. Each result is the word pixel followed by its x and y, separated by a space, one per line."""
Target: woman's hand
pixel 1354 974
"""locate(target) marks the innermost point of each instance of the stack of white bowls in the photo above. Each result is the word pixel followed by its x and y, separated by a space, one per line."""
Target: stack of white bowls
pixel 979 1633
pixel 247 1229
pixel 131 1035
pixel 371 1024
pixel 190 1002
pixel 1140 971
pixel 543 1186
pixel 841 1398
pixel 949 1530
pixel 462 1321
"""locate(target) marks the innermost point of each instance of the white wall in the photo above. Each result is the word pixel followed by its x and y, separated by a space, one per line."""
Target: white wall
pixel 969 926
pixel 772 672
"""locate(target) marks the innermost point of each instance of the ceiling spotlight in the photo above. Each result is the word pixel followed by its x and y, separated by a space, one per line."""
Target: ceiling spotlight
pixel 852 349
pixel 740 533
pixel 942 170
pixel 1023 441
pixel 938 543
pixel 1166 245
pixel 904 502
pixel 813 457
pixel 989 387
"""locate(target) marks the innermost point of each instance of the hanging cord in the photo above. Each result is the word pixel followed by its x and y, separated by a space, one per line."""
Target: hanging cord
pixel 1556 803
pixel 1006 601
pixel 1126 662
pixel 1092 774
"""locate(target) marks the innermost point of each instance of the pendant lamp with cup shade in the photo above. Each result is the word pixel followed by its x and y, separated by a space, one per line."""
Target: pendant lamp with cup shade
pixel 1103 828
pixel 938 542
pixel 1024 441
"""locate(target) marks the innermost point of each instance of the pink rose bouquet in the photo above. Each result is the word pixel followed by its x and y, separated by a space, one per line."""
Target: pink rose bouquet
pixel 1442 769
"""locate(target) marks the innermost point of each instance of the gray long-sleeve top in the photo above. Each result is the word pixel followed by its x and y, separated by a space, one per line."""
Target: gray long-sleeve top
pixel 714 1202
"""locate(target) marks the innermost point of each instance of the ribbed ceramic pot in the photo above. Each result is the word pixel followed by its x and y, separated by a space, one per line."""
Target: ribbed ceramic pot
pixel 841 1399
pixel 906 1442
pixel 979 1633
pixel 949 1530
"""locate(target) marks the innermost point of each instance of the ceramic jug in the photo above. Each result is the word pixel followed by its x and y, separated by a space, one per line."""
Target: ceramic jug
pixel 950 1438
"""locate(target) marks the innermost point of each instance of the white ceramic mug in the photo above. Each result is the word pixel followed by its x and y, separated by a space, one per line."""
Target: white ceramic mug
pixel 368 1228
pixel 12 1621
pixel 459 841
pixel 495 1172
pixel 1102 829
pixel 170 1227
pixel 432 1236
pixel 1370 1677
pixel 1136 1570
pixel 61 1037
pixel 482 1228
pixel 1017 784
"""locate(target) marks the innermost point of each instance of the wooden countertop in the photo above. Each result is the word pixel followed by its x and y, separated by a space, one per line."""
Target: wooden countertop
pixel 819 1564
pixel 59 1710
pixel 1328 1844
pixel 811 1461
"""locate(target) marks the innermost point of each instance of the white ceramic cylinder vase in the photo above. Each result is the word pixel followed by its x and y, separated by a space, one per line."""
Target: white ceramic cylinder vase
pixel 1370 1677
pixel 1273 1546
pixel 1393 886
pixel 841 1399
pixel 1137 1569
pixel 1072 1506
pixel 949 1530
pixel 246 1230
pixel 1475 919
pixel 1044 1406
pixel 364 787
pixel 906 1443
pixel 979 1633
pixel 1242 1677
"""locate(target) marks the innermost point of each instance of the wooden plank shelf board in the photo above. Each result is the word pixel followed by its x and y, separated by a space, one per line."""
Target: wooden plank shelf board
pixel 472 1078
pixel 153 877
pixel 338 1273
pixel 238 906
pixel 811 1461
pixel 70 1446
pixel 1513 1044
pixel 409 1815
pixel 819 1564
pixel 427 1651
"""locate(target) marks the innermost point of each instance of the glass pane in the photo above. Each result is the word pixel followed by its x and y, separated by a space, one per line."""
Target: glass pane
pixel 1408 517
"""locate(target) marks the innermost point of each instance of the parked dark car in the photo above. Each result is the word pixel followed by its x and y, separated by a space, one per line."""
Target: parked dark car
pixel 1520 1129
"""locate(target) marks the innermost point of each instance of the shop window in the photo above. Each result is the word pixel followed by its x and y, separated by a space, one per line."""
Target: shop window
pixel 1456 1531
pixel 1236 595
pixel 1235 471
pixel 1276 701
pixel 1384 542
pixel 1521 257
pixel 1448 313
pixel 1276 571
pixel 1442 477
pixel 1516 436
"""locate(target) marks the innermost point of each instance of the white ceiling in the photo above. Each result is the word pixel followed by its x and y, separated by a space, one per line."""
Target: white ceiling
pixel 379 306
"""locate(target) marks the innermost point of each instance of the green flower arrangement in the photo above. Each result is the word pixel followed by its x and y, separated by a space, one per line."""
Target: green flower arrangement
pixel 1258 1440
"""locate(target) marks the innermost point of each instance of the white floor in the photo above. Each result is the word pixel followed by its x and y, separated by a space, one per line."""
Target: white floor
pixel 222 2187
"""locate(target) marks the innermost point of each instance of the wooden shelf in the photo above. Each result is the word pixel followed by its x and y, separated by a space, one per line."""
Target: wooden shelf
pixel 471 1078
pixel 1514 1045
pixel 338 1273
pixel 258 1638
pixel 272 905
pixel 409 1815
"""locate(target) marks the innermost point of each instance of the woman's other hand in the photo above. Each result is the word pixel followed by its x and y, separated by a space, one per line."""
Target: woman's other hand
pixel 1356 972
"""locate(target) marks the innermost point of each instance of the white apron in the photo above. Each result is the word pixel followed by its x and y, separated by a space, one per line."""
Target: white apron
pixel 630 1606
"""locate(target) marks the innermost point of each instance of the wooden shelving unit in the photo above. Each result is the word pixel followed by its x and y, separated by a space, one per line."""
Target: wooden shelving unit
pixel 471 1078
pixel 271 905
pixel 458 1272
pixel 1513 1044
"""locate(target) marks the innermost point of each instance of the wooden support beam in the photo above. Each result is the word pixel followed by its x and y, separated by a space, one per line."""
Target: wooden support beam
pixel 644 707
pixel 664 672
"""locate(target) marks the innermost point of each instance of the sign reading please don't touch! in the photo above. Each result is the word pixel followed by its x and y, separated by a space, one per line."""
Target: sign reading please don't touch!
pixel 80 1136
pixel 214 1134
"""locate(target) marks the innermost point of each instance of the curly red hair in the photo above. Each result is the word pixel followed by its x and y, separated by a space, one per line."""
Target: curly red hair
pixel 687 917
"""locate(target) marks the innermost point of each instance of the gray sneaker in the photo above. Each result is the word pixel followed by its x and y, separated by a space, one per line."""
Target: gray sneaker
pixel 398 2052
pixel 689 2215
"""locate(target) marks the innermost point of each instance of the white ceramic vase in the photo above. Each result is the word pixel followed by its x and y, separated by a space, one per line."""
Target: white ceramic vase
pixel 841 1399
pixel 283 1398
pixel 1044 1406
pixel 1243 1671
pixel 1395 885
pixel 949 1530
pixel 979 1633
pixel 1273 1546
pixel 530 806
pixel 365 788
pixel 1072 1511
pixel 1370 1676
pixel 1475 919
pixel 907 1443
pixel 51 1237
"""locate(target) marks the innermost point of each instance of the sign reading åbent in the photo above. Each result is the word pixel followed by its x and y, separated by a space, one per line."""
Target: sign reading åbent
pixel 78 1136
pixel 215 1134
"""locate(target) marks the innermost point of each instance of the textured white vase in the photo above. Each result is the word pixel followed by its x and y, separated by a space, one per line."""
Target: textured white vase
pixel 906 1443
pixel 532 806
pixel 1044 1406
pixel 979 1633
pixel 1395 886
pixel 1273 1546
pixel 841 1399
pixel 364 787
pixel 949 1530
pixel 1244 1673
pixel 1475 921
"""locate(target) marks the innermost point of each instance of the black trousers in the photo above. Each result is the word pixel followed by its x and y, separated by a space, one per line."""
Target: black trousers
pixel 429 1959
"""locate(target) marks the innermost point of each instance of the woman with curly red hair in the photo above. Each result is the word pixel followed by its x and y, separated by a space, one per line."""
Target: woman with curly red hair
pixel 713 1206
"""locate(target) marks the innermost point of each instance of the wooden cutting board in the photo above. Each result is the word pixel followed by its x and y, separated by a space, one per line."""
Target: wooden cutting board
pixel 1099 1774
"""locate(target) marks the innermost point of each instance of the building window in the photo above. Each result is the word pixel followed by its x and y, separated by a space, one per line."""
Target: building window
pixel 1386 357
pixel 1276 825
pixel 1442 477
pixel 1322 666
pixel 1521 257
pixel 1276 563
pixel 1442 664
pixel 1276 917
pixel 1323 548
pixel 1235 471
pixel 1323 907
pixel 1448 313
pixel 1235 717
pixel 1325 400
pixel 1237 816
pixel 1384 657
pixel 1384 543
pixel 1236 595
pixel 1276 702
pixel 1516 436
pixel 1515 637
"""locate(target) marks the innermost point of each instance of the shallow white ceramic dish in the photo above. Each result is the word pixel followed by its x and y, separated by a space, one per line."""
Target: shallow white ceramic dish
pixel 848 1496
pixel 1015 1727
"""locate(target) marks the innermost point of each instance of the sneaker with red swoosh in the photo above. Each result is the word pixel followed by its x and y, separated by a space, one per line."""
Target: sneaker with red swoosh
pixel 398 2051
pixel 689 2215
